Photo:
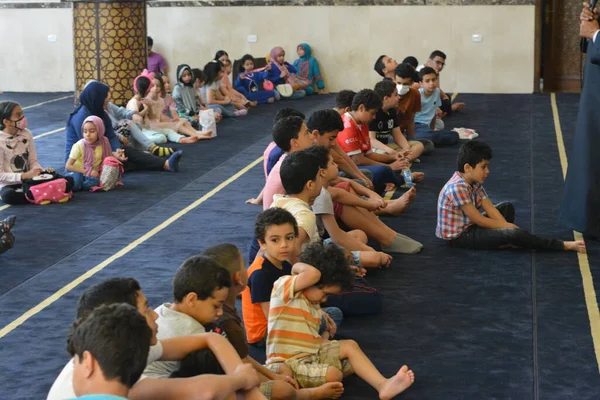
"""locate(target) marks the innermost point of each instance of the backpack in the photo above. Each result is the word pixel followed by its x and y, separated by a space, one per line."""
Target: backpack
pixel 47 188
pixel 110 174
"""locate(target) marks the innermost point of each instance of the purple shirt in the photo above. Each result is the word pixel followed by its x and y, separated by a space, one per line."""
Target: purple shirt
pixel 156 63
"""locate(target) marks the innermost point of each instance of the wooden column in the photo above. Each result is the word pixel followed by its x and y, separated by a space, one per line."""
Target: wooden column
pixel 109 38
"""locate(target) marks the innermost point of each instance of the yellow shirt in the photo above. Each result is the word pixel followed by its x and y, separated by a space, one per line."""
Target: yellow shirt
pixel 77 155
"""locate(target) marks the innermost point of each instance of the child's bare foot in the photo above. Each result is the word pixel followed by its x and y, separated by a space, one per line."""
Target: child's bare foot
pixel 389 186
pixel 578 246
pixel 271 100
pixel 203 135
pixel 253 103
pixel 401 204
pixel 331 390
pixel 188 140
pixel 397 384
pixel 418 176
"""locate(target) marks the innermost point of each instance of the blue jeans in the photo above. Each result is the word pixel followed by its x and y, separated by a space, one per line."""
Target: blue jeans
pixel 439 138
pixel 83 182
pixel 298 94
pixel 383 174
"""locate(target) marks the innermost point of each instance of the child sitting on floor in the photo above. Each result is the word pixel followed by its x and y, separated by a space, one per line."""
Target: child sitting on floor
pixel 249 82
pixel 343 101
pixel 386 125
pixel 199 80
pixel 87 155
pixel 18 158
pixel 273 385
pixel 308 68
pixel 355 141
pixel 467 218
pixel 211 91
pixel 313 359
pixel 110 351
pixel 158 127
pixel 238 99
pixel 282 72
pixel 430 102
pixel 185 96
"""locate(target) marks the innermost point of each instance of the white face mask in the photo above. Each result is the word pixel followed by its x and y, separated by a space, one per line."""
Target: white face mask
pixel 402 89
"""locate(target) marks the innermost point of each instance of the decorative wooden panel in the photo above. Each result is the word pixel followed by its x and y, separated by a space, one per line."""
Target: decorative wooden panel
pixel 109 44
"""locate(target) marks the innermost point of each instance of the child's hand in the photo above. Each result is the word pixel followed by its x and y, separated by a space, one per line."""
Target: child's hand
pixel 120 155
pixel 358 271
pixel 510 226
pixel 50 170
pixel 218 117
pixel 94 174
pixel 137 118
pixel 268 67
pixel 282 75
pixel 287 379
pixel 248 375
pixel 398 165
pixel 124 140
pixel 254 201
pixel 227 100
pixel 31 173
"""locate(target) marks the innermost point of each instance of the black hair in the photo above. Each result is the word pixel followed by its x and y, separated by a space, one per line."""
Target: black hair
pixel 379 65
pixel 226 254
pixel 197 73
pixel 211 70
pixel 472 153
pixel 344 98
pixel 287 112
pixel 243 60
pixel 325 121
pixel 368 98
pixel 410 60
pixel 220 54
pixel 150 41
pixel 321 153
pixel 285 130
pixel 297 170
pixel 110 291
pixel 118 337
pixel 427 71
pixel 201 275
pixel 405 70
pixel 6 110
pixel 437 53
pixel 270 217
pixel 331 261
pixel 141 85
pixel 385 88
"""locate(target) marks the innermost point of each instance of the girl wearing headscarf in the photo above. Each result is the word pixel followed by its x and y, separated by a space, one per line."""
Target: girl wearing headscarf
pixel 87 155
pixel 93 100
pixel 18 158
pixel 281 71
pixel 308 68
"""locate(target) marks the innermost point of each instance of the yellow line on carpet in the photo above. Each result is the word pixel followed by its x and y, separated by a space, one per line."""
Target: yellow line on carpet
pixel 73 284
pixel 4 207
pixel 46 102
pixel 41 135
pixel 591 300
pixel 453 97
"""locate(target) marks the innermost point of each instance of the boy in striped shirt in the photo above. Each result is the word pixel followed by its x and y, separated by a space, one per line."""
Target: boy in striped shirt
pixel 294 318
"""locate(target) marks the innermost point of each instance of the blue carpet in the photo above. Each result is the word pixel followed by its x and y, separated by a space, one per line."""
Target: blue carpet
pixel 472 325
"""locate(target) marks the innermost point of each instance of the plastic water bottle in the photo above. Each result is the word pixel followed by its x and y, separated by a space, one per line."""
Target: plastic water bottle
pixel 407 174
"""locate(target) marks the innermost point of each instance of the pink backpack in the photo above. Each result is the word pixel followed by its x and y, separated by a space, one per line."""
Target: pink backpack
pixel 110 174
pixel 54 191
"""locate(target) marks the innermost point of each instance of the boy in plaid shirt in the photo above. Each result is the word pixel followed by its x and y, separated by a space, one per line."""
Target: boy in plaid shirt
pixel 467 218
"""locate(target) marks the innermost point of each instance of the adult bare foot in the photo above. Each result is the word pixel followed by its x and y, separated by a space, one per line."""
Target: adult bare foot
pixel 331 390
pixel 189 139
pixel 204 135
pixel 418 176
pixel 397 384
pixel 578 246
pixel 401 204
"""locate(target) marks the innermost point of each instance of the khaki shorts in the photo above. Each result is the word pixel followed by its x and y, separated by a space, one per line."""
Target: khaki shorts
pixel 310 371
pixel 266 388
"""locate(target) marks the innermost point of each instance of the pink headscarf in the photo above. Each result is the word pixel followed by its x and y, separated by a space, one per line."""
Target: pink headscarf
pixel 145 74
pixel 89 150
pixel 276 52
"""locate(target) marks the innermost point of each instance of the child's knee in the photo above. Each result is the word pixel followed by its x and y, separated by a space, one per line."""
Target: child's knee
pixel 285 370
pixel 333 375
pixel 348 347
pixel 282 390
